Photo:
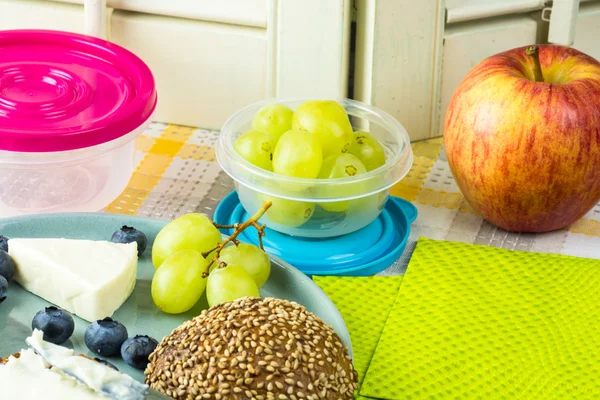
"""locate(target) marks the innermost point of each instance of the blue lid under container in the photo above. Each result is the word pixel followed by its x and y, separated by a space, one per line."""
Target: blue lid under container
pixel 365 252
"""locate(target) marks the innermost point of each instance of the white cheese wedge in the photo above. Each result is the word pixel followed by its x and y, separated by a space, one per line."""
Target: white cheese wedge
pixel 91 279
pixel 28 377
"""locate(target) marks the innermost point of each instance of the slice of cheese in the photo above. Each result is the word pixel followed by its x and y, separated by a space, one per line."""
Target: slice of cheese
pixel 29 377
pixel 91 279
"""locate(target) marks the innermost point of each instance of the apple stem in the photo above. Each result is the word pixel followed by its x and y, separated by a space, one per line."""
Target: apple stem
pixel 533 52
pixel 239 228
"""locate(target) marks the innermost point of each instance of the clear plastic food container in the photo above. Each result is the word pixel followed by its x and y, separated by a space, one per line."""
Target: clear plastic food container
pixel 70 109
pixel 299 205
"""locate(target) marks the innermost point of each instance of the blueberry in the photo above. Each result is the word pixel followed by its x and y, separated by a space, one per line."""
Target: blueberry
pixel 105 337
pixel 4 243
pixel 7 266
pixel 128 234
pixel 57 324
pixel 104 362
pixel 136 350
pixel 3 288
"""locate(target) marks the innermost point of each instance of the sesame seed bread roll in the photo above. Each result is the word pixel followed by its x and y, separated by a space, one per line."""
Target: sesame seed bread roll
pixel 253 348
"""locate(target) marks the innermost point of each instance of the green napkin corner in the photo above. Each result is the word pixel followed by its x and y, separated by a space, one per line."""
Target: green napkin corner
pixel 365 303
pixel 481 322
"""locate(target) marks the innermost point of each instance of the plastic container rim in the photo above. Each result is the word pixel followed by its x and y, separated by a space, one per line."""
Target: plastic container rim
pixel 24 159
pixel 400 163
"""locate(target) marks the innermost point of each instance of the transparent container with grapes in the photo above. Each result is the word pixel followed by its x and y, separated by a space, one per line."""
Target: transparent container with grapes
pixel 327 166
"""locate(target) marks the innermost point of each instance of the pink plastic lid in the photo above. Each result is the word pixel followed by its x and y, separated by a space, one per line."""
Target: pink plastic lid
pixel 63 91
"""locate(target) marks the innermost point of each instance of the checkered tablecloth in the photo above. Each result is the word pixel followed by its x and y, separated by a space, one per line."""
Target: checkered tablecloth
pixel 177 173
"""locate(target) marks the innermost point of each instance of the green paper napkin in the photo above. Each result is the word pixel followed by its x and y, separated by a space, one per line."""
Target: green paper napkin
pixel 365 304
pixel 477 322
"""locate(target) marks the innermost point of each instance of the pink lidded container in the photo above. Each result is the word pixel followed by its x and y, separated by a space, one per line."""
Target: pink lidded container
pixel 71 107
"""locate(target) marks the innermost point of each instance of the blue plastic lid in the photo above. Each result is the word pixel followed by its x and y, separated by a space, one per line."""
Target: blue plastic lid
pixel 365 252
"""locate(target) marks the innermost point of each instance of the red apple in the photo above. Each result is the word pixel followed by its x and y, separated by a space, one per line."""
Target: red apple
pixel 522 136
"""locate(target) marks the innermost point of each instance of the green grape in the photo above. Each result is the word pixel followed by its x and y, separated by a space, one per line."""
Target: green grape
pixel 334 167
pixel 341 166
pixel 328 121
pixel 229 284
pixel 257 148
pixel 273 118
pixel 369 204
pixel 297 154
pixel 289 213
pixel 251 258
pixel 188 232
pixel 368 150
pixel 178 283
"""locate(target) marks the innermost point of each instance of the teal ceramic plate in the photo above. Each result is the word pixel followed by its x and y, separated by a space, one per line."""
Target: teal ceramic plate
pixel 138 314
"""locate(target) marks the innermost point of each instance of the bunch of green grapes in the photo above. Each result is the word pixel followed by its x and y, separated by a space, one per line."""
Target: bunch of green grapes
pixel 316 140
pixel 189 232
pixel 246 268
pixel 182 253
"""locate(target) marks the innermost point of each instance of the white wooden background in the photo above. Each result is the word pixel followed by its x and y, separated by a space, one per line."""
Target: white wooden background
pixel 413 54
pixel 211 57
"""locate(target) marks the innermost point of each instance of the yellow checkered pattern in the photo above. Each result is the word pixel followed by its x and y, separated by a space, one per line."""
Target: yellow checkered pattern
pixel 177 168
pixel 158 154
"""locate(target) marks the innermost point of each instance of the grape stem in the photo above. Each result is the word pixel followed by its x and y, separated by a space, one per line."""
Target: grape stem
pixel 261 232
pixel 239 228
pixel 219 226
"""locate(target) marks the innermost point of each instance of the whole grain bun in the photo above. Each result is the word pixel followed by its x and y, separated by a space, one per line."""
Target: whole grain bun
pixel 253 349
